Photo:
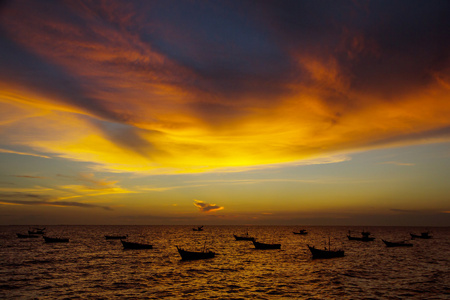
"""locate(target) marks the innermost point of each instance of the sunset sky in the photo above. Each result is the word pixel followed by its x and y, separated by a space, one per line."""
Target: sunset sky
pixel 225 112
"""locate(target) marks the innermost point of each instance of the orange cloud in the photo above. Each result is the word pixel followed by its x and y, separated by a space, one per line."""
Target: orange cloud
pixel 206 207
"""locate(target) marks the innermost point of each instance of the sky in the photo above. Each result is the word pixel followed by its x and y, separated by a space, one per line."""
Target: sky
pixel 225 112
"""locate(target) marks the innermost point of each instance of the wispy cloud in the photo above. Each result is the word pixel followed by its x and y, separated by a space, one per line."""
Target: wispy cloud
pixel 44 200
pixel 23 153
pixel 28 176
pixel 397 163
pixel 206 207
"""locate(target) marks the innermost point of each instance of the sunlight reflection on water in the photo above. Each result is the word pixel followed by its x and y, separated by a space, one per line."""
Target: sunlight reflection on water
pixel 89 266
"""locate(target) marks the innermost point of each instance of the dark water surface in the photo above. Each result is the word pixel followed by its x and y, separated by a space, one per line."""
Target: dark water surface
pixel 91 267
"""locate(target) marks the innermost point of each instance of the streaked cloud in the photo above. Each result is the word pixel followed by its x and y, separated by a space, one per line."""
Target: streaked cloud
pixel 397 163
pixel 206 207
pixel 43 200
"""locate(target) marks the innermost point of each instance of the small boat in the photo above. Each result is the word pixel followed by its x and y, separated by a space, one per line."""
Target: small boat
pixel 423 235
pixel 26 236
pixel 192 255
pixel 325 253
pixel 264 246
pixel 131 245
pixel 37 230
pixel 199 228
pixel 302 231
pixel 397 244
pixel 116 237
pixel 365 237
pixel 243 237
pixel 55 240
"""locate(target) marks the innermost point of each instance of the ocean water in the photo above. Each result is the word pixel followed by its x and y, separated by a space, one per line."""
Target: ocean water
pixel 91 267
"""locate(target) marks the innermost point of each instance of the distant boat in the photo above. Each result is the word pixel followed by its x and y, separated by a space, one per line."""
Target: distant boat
pixel 423 235
pixel 116 237
pixel 199 228
pixel 243 237
pixel 264 246
pixel 55 240
pixel 192 255
pixel 26 236
pixel 131 245
pixel 397 244
pixel 37 230
pixel 365 237
pixel 302 231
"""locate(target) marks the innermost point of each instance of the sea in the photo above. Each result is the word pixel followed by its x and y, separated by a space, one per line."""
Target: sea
pixel 91 267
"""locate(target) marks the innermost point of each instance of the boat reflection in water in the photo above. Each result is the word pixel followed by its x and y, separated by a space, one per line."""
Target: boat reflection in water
pixel 193 255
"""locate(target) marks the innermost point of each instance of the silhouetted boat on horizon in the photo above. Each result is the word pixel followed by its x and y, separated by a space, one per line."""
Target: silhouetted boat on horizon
pixel 193 255
pixel 264 246
pixel 397 244
pixel 302 231
pixel 132 245
pixel 37 230
pixel 365 237
pixel 116 237
pixel 423 235
pixel 325 253
pixel 55 240
pixel 243 237
pixel 199 228
pixel 27 236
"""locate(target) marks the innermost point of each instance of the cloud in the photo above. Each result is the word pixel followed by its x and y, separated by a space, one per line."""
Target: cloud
pixel 206 207
pixel 397 163
pixel 45 201
pixel 221 86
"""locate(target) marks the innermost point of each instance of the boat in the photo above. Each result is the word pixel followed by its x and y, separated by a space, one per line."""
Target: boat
pixel 131 245
pixel 199 228
pixel 325 253
pixel 37 230
pixel 26 236
pixel 365 237
pixel 116 237
pixel 243 237
pixel 55 240
pixel 192 255
pixel 397 244
pixel 423 235
pixel 264 246
pixel 302 231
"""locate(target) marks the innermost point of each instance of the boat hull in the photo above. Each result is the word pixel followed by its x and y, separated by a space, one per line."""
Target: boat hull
pixel 263 246
pixel 191 255
pixel 26 236
pixel 55 240
pixel 397 244
pixel 424 236
pixel 361 239
pixel 135 246
pixel 243 238
pixel 319 253
pixel 116 237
